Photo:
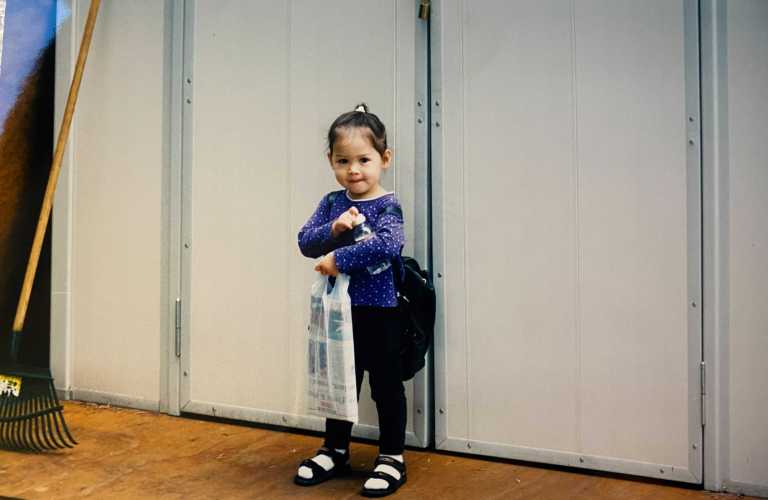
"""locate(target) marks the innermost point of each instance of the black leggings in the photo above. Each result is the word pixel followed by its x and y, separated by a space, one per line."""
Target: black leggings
pixel 377 349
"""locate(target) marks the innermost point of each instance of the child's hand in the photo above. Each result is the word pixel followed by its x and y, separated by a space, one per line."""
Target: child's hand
pixel 327 266
pixel 345 222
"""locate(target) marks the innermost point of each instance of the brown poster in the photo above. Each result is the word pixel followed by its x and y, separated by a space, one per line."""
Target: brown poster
pixel 26 142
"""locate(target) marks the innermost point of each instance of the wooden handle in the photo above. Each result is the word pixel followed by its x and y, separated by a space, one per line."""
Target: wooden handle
pixel 53 177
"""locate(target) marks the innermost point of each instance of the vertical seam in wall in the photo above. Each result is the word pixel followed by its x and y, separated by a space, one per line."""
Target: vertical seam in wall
pixel 714 124
pixel 577 233
pixel 186 158
pixel 722 238
pixel 697 456
pixel 175 196
pixel 464 192
pixel 288 160
pixel 165 333
pixel 397 128
pixel 72 219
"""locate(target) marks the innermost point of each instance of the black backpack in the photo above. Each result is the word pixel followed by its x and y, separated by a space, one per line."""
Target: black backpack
pixel 416 303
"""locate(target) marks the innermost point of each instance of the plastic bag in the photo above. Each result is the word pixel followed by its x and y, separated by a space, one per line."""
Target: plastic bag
pixel 332 389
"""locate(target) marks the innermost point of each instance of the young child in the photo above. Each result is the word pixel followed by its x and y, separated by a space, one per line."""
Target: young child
pixel 358 154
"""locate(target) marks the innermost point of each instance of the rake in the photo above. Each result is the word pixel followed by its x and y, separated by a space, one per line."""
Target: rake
pixel 31 417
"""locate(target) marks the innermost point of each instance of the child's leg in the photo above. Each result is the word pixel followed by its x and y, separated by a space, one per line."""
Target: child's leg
pixel 388 392
pixel 337 433
pixel 387 388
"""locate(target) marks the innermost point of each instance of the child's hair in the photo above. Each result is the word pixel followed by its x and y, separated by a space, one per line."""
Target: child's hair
pixel 360 118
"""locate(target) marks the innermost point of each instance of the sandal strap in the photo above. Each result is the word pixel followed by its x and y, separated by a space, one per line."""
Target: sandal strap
pixel 397 464
pixel 391 481
pixel 338 458
pixel 317 469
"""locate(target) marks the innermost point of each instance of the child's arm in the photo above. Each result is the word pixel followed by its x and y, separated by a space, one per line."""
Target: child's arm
pixel 315 238
pixel 384 245
pixel 320 234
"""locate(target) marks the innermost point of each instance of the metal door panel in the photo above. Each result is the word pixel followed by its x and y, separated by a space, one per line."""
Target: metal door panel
pixel 567 230
pixel 264 81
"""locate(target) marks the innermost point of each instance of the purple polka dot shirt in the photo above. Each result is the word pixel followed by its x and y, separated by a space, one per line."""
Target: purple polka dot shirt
pixel 365 288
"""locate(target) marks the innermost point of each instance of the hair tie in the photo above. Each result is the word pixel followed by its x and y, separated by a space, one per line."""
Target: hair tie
pixel 360 109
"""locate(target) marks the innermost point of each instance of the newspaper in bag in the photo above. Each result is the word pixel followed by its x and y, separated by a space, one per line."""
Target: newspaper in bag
pixel 332 390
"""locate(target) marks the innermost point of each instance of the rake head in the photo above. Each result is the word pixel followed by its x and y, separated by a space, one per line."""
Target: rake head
pixel 31 417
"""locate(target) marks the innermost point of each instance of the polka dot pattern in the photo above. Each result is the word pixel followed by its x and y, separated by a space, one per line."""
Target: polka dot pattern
pixel 365 289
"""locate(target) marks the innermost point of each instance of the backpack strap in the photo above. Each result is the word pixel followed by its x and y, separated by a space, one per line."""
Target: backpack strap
pixel 330 198
pixel 397 262
pixel 391 210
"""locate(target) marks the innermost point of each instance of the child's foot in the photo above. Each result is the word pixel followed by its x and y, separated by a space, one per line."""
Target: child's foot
pixel 387 476
pixel 323 466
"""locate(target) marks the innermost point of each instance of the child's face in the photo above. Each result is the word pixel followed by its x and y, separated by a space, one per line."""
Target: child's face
pixel 356 163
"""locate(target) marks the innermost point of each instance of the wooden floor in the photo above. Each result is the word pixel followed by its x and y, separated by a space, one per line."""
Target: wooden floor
pixel 134 454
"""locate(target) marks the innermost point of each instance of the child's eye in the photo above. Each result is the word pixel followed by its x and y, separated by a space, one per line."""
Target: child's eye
pixel 342 161
pixel 364 160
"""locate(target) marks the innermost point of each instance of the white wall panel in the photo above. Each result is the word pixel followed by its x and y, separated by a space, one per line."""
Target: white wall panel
pixel 747 75
pixel 519 201
pixel 633 229
pixel 568 233
pixel 238 180
pixel 115 191
pixel 266 80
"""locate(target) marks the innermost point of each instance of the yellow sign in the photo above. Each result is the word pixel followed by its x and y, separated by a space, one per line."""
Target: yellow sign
pixel 10 386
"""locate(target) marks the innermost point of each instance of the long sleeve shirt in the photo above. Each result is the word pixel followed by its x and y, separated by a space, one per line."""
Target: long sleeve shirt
pixel 361 261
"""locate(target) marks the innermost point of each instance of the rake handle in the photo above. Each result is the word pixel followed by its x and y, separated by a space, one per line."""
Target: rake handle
pixel 53 177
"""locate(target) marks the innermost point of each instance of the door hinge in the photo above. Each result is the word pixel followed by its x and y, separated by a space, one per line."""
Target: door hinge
pixel 424 9
pixel 703 380
pixel 178 327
